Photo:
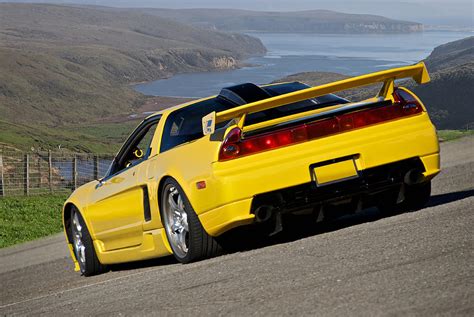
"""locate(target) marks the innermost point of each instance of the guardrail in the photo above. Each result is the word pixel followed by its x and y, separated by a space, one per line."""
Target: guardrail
pixel 36 173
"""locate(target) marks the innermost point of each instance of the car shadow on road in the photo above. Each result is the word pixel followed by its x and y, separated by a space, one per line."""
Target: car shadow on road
pixel 244 239
pixel 164 261
pixel 442 199
pixel 295 228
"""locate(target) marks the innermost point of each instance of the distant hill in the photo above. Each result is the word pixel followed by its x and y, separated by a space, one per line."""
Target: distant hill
pixel 449 96
pixel 451 54
pixel 61 64
pixel 314 21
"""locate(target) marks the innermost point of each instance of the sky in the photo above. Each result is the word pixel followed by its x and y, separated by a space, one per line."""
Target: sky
pixel 432 12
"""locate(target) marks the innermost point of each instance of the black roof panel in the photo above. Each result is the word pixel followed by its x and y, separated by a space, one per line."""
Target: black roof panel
pixel 244 93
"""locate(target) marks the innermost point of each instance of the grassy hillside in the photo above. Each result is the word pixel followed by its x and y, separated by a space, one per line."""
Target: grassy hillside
pixel 88 137
pixel 449 96
pixel 314 21
pixel 451 54
pixel 62 66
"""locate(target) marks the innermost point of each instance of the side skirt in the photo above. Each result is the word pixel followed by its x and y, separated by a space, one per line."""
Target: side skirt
pixel 154 245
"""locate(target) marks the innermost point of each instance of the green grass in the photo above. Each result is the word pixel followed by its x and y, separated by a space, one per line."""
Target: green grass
pixel 449 135
pixel 28 218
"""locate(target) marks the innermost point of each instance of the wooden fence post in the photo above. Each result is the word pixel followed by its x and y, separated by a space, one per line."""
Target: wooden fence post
pixel 38 166
pixel 74 173
pixel 96 167
pixel 50 171
pixel 2 188
pixel 26 176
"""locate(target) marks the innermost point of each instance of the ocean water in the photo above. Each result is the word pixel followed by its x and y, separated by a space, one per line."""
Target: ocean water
pixel 349 54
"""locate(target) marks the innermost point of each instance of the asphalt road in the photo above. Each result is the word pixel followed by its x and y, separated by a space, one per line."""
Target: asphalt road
pixel 419 263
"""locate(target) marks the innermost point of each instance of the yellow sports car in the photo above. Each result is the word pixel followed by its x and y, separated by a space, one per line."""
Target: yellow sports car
pixel 247 156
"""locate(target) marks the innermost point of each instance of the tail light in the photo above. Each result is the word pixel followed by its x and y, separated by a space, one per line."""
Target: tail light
pixel 234 146
pixel 407 101
pixel 230 148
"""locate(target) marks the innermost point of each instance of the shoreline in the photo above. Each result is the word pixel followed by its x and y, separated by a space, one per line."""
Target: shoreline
pixel 320 55
pixel 239 65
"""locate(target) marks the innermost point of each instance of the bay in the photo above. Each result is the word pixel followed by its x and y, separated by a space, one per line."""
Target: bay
pixel 289 53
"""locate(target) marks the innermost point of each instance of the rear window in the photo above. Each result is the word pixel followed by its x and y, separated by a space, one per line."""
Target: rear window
pixel 185 124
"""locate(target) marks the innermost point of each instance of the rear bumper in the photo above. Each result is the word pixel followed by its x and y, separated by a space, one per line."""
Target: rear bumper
pixel 369 183
pixel 235 183
pixel 226 217
pixel 365 187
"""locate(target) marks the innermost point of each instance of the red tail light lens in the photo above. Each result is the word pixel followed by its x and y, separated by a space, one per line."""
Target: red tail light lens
pixel 234 146
pixel 230 148
pixel 409 104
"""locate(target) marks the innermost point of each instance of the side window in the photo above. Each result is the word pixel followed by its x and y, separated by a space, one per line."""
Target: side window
pixel 137 148
pixel 145 143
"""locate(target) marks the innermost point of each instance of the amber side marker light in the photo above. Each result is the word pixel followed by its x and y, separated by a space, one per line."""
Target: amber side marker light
pixel 234 146
pixel 201 185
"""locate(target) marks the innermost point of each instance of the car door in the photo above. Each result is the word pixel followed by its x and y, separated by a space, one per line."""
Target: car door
pixel 116 205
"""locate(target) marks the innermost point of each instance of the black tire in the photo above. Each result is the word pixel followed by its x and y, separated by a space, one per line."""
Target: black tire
pixel 87 257
pixel 416 197
pixel 387 203
pixel 198 243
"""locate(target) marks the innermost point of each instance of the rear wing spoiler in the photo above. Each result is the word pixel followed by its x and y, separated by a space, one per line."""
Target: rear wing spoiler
pixel 418 72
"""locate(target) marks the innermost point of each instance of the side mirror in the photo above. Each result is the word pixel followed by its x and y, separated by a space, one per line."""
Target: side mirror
pixel 100 182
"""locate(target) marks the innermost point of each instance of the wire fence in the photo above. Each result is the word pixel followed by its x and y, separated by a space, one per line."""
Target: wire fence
pixel 468 126
pixel 48 172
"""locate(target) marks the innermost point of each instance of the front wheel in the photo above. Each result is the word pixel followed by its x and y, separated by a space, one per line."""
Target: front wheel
pixel 83 246
pixel 186 236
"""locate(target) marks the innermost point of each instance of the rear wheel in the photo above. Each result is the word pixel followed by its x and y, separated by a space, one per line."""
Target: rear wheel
pixel 186 236
pixel 83 246
pixel 416 197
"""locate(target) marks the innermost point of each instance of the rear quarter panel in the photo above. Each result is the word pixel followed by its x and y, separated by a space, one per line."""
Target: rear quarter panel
pixel 188 164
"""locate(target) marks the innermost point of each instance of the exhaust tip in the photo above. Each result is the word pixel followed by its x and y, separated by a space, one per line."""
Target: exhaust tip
pixel 413 176
pixel 263 213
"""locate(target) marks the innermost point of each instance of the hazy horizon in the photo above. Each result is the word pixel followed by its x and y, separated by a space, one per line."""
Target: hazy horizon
pixel 431 12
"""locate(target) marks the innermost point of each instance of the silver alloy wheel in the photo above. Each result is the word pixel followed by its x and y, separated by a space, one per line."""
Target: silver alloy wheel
pixel 175 220
pixel 79 247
